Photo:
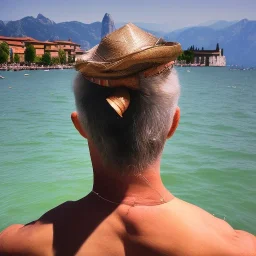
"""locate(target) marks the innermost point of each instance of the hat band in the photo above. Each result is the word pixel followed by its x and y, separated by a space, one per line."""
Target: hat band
pixel 120 100
pixel 131 82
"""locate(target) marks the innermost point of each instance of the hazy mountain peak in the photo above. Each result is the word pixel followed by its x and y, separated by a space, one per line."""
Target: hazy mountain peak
pixel 44 20
pixel 107 15
pixel 108 25
pixel 40 16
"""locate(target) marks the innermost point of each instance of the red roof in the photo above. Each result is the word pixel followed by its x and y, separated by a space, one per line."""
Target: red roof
pixel 66 48
pixel 49 43
pixel 16 38
pixel 19 40
pixel 52 49
pixel 206 52
pixel 26 39
pixel 79 51
pixel 14 43
pixel 65 42
pixel 39 42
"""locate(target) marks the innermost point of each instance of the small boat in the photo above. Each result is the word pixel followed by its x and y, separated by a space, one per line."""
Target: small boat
pixel 1 77
pixel 46 70
pixel 188 70
pixel 26 74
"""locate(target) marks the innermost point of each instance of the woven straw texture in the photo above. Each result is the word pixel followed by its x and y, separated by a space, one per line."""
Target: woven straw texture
pixel 127 51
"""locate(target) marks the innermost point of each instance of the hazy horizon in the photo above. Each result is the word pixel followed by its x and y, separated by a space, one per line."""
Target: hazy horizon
pixel 173 14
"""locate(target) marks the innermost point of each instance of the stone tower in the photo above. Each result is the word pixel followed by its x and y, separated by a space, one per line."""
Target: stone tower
pixel 108 25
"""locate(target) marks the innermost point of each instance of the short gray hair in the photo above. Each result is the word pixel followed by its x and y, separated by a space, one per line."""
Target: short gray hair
pixel 136 140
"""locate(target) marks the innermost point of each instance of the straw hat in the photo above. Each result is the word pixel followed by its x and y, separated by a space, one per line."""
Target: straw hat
pixel 123 54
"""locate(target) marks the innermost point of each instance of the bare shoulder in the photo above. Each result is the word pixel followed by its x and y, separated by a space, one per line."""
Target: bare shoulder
pixel 7 238
pixel 26 239
pixel 246 243
pixel 35 238
pixel 213 234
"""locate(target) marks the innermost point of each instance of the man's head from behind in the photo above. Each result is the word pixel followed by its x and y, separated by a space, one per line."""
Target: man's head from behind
pixel 136 140
pixel 126 95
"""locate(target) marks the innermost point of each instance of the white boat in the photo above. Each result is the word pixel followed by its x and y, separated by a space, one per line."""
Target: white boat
pixel 46 70
pixel 26 74
pixel 1 77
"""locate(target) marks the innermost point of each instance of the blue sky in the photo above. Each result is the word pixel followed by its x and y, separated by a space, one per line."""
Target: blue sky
pixel 176 14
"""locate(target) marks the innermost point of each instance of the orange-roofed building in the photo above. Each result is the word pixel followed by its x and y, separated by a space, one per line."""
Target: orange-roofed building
pixel 18 45
pixel 71 48
pixel 20 52
pixel 40 47
pixel 53 49
pixel 78 53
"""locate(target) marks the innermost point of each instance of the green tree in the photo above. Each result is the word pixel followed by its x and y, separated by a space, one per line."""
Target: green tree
pixel 11 55
pixel 70 59
pixel 55 61
pixel 46 58
pixel 16 58
pixel 4 52
pixel 38 60
pixel 5 47
pixel 30 53
pixel 187 56
pixel 62 56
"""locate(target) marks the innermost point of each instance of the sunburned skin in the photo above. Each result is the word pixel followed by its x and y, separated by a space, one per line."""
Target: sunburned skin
pixel 103 223
pixel 92 226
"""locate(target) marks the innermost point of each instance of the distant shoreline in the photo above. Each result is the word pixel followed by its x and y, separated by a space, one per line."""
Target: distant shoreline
pixel 61 67
pixel 33 67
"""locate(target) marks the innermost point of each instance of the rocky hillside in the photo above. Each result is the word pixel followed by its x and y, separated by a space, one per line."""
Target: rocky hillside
pixel 42 28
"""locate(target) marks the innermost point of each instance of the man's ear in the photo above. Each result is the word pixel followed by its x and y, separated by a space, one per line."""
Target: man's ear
pixel 76 122
pixel 175 123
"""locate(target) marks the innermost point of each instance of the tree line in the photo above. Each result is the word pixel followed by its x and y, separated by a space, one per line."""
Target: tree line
pixel 193 48
pixel 187 56
pixel 30 56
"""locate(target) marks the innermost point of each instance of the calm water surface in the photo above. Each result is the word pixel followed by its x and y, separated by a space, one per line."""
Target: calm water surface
pixel 211 160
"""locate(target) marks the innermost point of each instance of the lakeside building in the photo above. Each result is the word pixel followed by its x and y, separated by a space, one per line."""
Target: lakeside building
pixel 196 57
pixel 212 58
pixel 209 58
pixel 18 45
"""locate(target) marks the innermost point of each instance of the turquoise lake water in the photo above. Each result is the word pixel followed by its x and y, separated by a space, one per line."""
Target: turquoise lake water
pixel 210 161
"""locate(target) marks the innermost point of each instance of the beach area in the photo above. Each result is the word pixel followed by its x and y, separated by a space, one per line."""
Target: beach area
pixel 210 161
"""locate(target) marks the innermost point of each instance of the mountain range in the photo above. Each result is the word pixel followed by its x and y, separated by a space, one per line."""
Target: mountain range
pixel 238 38
pixel 42 28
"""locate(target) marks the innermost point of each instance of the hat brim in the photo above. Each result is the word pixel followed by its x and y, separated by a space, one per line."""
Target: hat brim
pixel 131 64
